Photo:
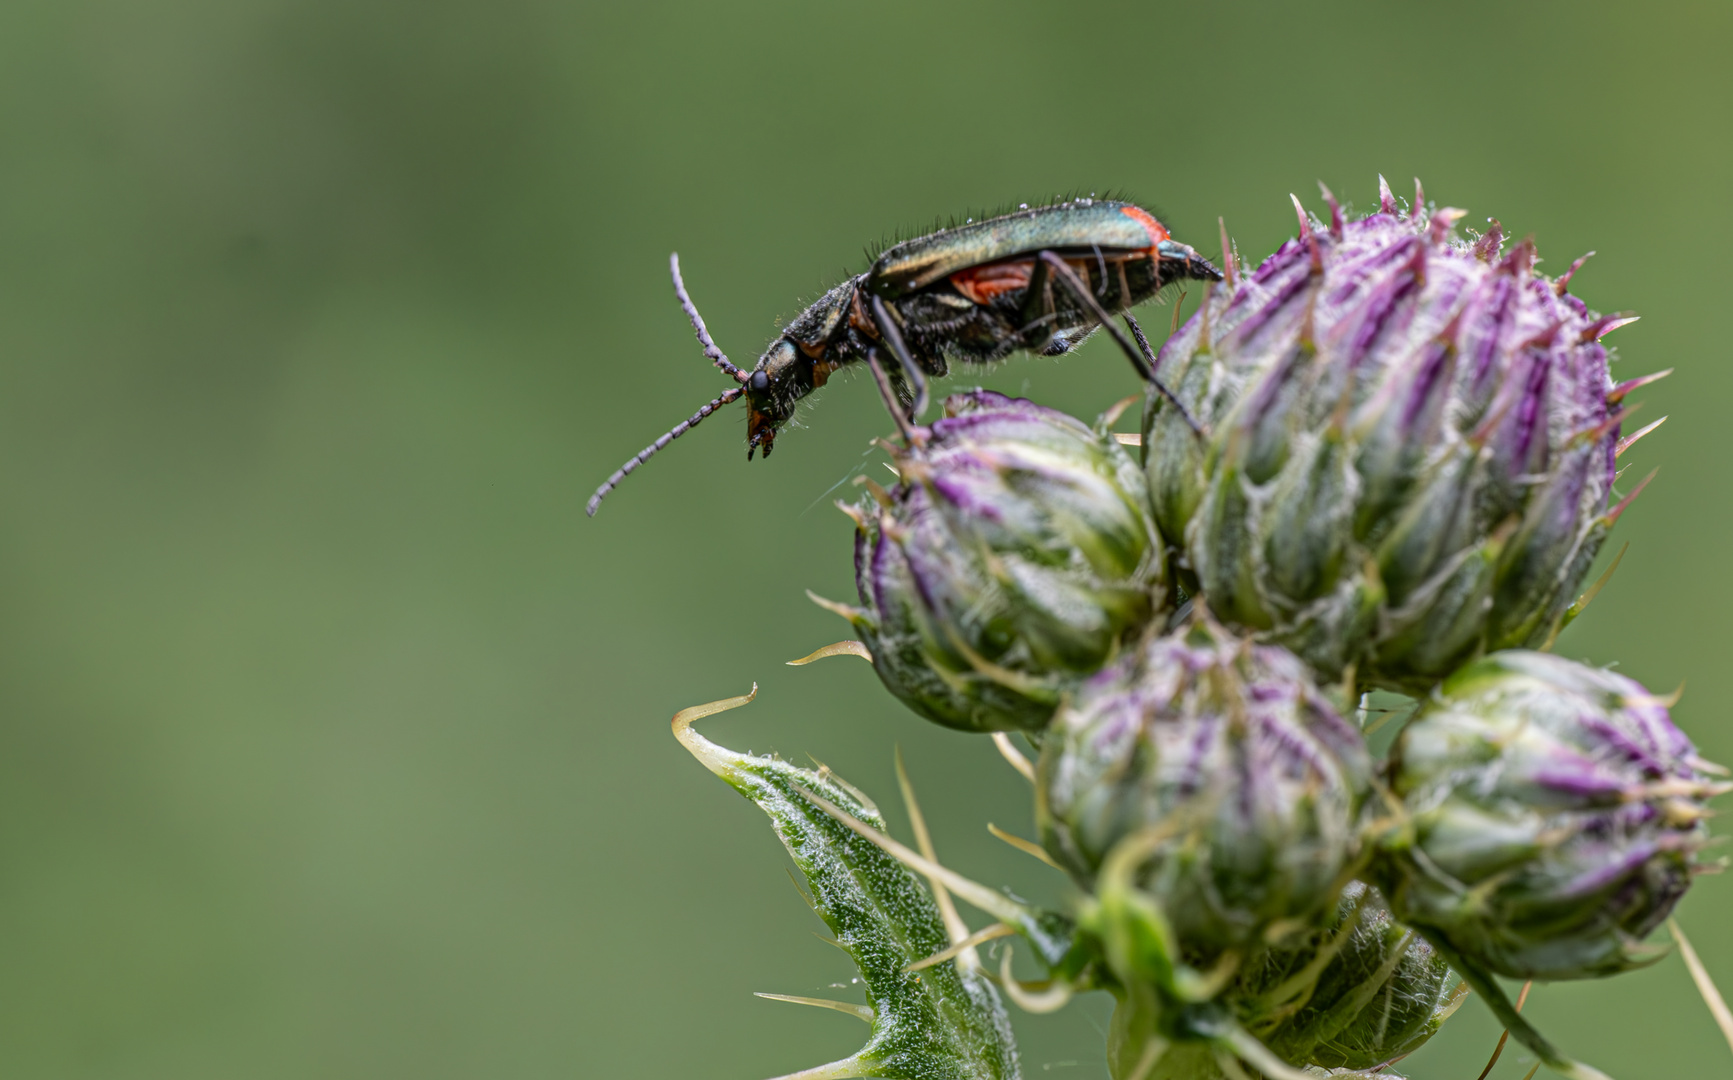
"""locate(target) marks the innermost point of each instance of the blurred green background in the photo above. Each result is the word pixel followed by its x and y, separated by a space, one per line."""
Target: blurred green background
pixel 334 738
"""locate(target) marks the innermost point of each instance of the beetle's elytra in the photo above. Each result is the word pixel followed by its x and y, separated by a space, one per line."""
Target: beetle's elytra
pixel 1040 279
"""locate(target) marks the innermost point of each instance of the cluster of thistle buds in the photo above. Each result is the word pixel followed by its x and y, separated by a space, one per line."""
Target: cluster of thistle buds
pixel 1384 460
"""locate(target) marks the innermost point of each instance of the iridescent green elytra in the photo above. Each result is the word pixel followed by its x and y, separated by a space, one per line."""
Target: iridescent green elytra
pixel 1040 279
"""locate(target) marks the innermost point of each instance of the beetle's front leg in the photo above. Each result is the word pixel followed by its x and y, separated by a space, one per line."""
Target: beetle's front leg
pixel 891 387
pixel 893 337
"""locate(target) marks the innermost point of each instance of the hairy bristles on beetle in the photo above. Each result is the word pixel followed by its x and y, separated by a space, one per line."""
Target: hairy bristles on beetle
pixel 1040 279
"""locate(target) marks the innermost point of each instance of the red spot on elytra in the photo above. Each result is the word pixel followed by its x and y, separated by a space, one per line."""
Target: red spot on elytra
pixel 1156 230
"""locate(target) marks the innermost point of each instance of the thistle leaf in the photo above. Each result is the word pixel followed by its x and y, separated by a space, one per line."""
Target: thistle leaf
pixel 936 1023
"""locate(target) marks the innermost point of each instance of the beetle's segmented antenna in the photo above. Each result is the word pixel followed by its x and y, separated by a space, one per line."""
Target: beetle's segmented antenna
pixel 715 356
pixel 710 350
pixel 612 482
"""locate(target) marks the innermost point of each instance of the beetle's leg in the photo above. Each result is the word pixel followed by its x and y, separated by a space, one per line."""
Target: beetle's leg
pixel 1149 355
pixel 1039 312
pixel 894 338
pixel 1064 341
pixel 888 391
pixel 1068 278
pixel 1075 285
pixel 645 454
pixel 1037 297
pixel 1142 342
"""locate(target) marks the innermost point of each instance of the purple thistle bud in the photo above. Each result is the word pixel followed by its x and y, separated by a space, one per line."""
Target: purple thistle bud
pixel 1224 767
pixel 1551 817
pixel 1012 559
pixel 1411 448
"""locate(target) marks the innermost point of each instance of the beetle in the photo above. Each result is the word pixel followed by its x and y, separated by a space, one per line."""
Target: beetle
pixel 1040 279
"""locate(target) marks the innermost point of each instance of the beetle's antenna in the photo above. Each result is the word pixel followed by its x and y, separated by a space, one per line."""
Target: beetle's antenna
pixel 731 394
pixel 1081 291
pixel 715 356
pixel 710 350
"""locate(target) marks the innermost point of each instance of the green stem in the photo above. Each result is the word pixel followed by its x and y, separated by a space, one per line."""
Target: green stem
pixel 1483 983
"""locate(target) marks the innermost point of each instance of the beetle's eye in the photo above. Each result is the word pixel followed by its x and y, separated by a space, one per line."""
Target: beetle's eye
pixel 760 382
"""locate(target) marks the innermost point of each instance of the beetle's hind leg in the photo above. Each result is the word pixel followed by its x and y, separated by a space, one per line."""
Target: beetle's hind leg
pixel 1068 278
pixel 893 338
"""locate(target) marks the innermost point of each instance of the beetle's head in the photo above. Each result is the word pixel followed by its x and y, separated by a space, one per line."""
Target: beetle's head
pixel 783 376
pixel 1180 261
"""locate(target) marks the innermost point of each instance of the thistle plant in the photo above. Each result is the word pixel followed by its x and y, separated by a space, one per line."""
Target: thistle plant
pixel 1385 458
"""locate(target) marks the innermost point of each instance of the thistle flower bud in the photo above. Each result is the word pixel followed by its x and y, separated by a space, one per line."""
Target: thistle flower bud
pixel 1355 992
pixel 1012 559
pixel 1410 452
pixel 1553 817
pixel 1227 772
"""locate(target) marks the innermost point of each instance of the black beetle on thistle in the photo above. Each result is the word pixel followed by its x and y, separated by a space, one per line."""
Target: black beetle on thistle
pixel 1040 279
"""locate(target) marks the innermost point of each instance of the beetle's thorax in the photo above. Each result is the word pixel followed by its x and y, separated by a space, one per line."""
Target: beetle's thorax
pixel 798 362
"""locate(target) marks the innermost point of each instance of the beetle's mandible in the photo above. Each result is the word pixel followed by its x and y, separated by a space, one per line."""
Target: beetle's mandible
pixel 1040 279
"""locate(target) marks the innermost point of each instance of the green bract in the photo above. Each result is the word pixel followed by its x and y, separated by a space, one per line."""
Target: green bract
pixel 1217 776
pixel 1551 816
pixel 1351 993
pixel 1354 993
pixel 1409 453
pixel 1012 559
